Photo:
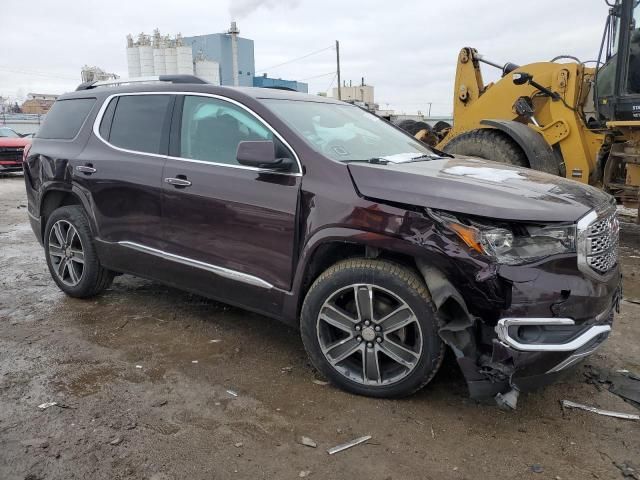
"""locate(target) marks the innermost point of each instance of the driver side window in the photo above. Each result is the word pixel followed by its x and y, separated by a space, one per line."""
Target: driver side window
pixel 212 129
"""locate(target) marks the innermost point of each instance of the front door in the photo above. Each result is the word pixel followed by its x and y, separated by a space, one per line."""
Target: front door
pixel 236 224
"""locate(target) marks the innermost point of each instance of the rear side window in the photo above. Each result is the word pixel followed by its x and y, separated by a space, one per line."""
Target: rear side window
pixel 138 122
pixel 65 118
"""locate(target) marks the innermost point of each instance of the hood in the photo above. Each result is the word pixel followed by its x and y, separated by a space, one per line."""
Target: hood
pixel 14 142
pixel 478 187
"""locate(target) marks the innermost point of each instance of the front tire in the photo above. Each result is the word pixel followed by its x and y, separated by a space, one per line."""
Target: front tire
pixel 488 144
pixel 370 327
pixel 71 254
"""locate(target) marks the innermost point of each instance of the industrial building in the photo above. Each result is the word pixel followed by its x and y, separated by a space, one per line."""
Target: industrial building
pixel 96 74
pixel 38 103
pixel 219 58
pixel 355 93
pixel 266 82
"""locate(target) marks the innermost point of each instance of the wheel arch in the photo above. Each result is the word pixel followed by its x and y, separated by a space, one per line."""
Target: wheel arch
pixel 55 198
pixel 539 153
pixel 331 245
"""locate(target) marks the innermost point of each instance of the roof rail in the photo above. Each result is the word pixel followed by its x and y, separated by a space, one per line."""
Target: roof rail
pixel 158 78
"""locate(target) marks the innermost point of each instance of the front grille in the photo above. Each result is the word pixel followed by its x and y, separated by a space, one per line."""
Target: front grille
pixel 11 153
pixel 598 236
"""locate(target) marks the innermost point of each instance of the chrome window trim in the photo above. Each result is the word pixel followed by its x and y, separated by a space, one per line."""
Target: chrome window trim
pixel 502 330
pixel 222 271
pixel 103 108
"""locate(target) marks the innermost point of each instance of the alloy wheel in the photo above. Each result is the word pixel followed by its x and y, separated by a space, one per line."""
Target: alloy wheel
pixel 66 253
pixel 369 334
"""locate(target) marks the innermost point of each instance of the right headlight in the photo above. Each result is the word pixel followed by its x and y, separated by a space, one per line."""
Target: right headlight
pixel 513 245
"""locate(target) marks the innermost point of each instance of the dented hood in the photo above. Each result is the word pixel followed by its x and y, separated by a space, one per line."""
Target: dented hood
pixel 478 187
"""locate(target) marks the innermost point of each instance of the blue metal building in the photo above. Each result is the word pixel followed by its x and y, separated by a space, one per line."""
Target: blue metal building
pixel 264 81
pixel 217 47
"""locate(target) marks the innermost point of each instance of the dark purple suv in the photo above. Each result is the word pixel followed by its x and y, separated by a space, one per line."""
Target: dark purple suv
pixel 380 249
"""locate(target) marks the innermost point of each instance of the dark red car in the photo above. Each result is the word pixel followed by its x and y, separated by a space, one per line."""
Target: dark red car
pixel 383 251
pixel 12 146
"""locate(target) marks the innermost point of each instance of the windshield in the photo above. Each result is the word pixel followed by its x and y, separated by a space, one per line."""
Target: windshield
pixel 7 132
pixel 346 132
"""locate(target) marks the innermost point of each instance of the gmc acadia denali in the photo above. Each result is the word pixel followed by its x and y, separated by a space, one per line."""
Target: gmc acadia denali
pixel 380 249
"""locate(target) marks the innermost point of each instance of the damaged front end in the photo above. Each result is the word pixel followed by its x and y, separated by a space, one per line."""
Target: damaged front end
pixel 544 316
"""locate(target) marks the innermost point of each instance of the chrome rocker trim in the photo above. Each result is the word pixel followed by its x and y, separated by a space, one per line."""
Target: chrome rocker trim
pixel 223 272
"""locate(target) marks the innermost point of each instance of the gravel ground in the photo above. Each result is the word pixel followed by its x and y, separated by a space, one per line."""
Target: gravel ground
pixel 159 384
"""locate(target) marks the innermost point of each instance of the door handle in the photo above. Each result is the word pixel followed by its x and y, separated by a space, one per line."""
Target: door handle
pixel 86 169
pixel 178 182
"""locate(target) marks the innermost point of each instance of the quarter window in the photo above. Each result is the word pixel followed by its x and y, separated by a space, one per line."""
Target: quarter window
pixel 138 122
pixel 65 118
pixel 212 129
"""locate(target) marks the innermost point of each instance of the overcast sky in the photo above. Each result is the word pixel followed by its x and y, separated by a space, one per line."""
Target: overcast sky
pixel 406 49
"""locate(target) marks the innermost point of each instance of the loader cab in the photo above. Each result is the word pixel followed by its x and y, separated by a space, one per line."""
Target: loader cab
pixel 618 80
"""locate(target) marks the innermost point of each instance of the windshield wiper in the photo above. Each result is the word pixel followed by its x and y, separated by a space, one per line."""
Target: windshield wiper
pixel 374 160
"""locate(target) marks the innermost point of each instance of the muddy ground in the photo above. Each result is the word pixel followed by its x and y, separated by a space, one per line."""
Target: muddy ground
pixel 137 405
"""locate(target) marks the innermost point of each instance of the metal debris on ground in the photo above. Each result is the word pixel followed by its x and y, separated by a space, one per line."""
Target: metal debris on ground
pixel 138 366
pixel 308 442
pixel 44 406
pixel 215 340
pixel 537 468
pixel 286 369
pixel 352 443
pixel 621 382
pixel 238 444
pixel 628 470
pixel 304 473
pixel 599 411
pixel 232 393
pixel 320 382
pixel 194 361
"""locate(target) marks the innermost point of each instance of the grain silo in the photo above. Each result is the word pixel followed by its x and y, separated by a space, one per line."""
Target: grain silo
pixel 208 70
pixel 184 57
pixel 133 58
pixel 159 66
pixel 146 56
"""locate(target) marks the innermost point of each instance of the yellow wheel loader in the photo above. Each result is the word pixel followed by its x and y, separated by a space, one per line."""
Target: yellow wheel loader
pixel 575 119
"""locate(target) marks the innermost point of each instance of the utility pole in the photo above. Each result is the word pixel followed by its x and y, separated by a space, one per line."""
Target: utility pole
pixel 338 69
pixel 429 114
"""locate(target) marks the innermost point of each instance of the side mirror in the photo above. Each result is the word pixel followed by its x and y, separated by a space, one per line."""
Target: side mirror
pixel 260 154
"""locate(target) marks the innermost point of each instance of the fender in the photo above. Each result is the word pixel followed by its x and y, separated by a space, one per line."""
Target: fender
pixel 539 153
pixel 78 193
pixel 345 235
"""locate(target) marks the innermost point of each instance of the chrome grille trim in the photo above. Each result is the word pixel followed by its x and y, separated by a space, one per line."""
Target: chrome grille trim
pixel 598 237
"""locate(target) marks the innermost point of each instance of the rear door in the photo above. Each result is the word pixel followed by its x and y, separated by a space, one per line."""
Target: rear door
pixel 120 170
pixel 236 223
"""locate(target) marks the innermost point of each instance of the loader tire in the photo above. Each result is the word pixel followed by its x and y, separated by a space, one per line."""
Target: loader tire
pixel 490 145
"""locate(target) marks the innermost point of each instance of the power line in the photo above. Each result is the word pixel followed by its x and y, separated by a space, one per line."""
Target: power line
pixel 318 76
pixel 295 59
pixel 34 73
pixel 332 80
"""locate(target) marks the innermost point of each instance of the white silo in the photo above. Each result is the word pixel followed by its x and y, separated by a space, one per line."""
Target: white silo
pixel 133 58
pixel 159 67
pixel 170 60
pixel 184 56
pixel 208 70
pixel 146 60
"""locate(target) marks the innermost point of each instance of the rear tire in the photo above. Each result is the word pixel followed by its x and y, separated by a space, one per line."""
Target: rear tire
pixel 71 254
pixel 490 145
pixel 370 327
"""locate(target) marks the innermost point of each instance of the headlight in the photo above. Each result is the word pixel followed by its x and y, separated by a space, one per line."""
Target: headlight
pixel 513 246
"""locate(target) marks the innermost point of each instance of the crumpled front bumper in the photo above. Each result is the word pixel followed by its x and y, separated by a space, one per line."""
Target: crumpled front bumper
pixel 529 353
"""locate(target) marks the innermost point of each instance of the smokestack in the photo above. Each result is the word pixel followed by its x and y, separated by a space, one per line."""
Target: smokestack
pixel 233 31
